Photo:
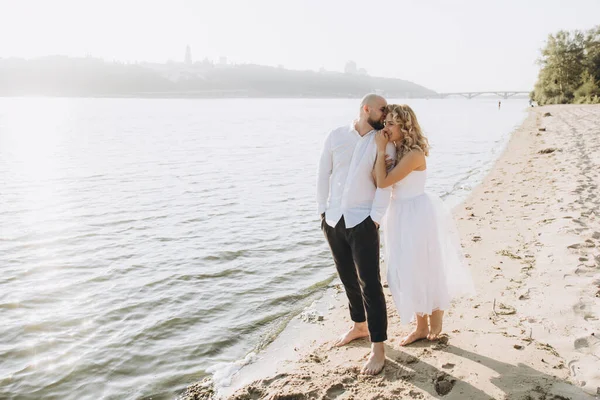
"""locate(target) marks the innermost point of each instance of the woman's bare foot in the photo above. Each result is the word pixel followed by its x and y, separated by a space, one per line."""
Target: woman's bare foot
pixel 376 360
pixel 420 332
pixel 414 336
pixel 359 330
pixel 435 320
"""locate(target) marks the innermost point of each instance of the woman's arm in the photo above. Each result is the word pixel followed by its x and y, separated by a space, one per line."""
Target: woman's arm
pixel 389 164
pixel 408 163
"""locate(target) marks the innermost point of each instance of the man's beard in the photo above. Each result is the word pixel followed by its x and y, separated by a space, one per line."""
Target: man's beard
pixel 377 125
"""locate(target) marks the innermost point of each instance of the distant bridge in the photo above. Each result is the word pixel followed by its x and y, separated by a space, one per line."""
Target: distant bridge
pixel 469 95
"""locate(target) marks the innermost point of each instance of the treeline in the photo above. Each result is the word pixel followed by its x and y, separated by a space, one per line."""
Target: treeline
pixel 270 81
pixel 570 69
pixel 64 76
pixel 90 77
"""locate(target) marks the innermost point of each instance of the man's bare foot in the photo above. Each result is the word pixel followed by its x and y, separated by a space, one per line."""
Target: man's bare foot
pixel 435 321
pixel 417 334
pixel 376 360
pixel 359 330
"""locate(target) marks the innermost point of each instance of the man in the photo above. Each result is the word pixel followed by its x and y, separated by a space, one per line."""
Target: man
pixel 351 209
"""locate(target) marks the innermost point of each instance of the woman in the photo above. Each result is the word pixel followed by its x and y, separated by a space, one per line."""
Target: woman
pixel 425 265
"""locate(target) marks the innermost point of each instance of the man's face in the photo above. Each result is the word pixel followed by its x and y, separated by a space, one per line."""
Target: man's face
pixel 377 114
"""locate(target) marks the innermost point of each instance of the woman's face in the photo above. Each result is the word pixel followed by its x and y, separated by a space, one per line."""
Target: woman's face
pixel 392 130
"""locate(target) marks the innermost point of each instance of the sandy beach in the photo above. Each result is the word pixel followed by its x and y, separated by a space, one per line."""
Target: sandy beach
pixel 531 233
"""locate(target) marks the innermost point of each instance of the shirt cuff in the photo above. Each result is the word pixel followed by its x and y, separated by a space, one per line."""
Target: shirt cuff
pixel 376 217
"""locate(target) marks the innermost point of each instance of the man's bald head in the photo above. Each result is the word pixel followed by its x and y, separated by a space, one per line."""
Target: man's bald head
pixel 372 100
pixel 372 110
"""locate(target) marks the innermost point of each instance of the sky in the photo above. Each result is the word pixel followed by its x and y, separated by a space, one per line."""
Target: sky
pixel 447 46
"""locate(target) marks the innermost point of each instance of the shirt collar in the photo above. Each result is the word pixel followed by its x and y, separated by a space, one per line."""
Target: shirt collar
pixel 353 129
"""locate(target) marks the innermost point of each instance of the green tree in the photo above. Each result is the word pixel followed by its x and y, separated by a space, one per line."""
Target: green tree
pixel 592 52
pixel 570 68
pixel 588 92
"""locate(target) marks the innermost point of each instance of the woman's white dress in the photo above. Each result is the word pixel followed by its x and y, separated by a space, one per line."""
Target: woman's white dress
pixel 425 265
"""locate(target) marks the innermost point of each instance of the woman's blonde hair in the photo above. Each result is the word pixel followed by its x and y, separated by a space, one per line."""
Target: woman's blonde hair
pixel 413 138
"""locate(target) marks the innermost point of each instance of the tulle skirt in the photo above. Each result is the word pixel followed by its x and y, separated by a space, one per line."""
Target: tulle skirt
pixel 426 268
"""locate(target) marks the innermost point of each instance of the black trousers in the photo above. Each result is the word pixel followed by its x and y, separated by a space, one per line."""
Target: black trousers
pixel 356 256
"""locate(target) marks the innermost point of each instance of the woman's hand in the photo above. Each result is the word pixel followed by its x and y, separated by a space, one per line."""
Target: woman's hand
pixel 381 140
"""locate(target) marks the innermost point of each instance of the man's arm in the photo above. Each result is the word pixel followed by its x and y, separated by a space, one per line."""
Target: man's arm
pixel 383 196
pixel 324 174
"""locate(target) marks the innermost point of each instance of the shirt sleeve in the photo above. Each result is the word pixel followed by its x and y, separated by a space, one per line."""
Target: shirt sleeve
pixel 383 196
pixel 324 175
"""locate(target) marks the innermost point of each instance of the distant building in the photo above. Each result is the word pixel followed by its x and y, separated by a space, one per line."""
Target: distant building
pixel 188 55
pixel 223 60
pixel 351 68
pixel 362 71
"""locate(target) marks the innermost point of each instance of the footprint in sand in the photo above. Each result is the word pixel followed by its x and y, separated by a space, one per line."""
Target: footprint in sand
pixel 335 391
pixel 444 384
pixel 586 344
pixel 268 382
pixel 583 272
pixel 574 367
pixel 590 317
pixel 584 310
pixel 252 393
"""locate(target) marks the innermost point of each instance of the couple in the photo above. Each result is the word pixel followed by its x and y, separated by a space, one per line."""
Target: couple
pixel 362 172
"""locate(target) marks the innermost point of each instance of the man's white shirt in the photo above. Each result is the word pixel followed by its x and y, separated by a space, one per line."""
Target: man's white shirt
pixel 345 185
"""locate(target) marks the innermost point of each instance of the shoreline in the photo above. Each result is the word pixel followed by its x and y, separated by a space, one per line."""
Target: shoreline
pixel 531 233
